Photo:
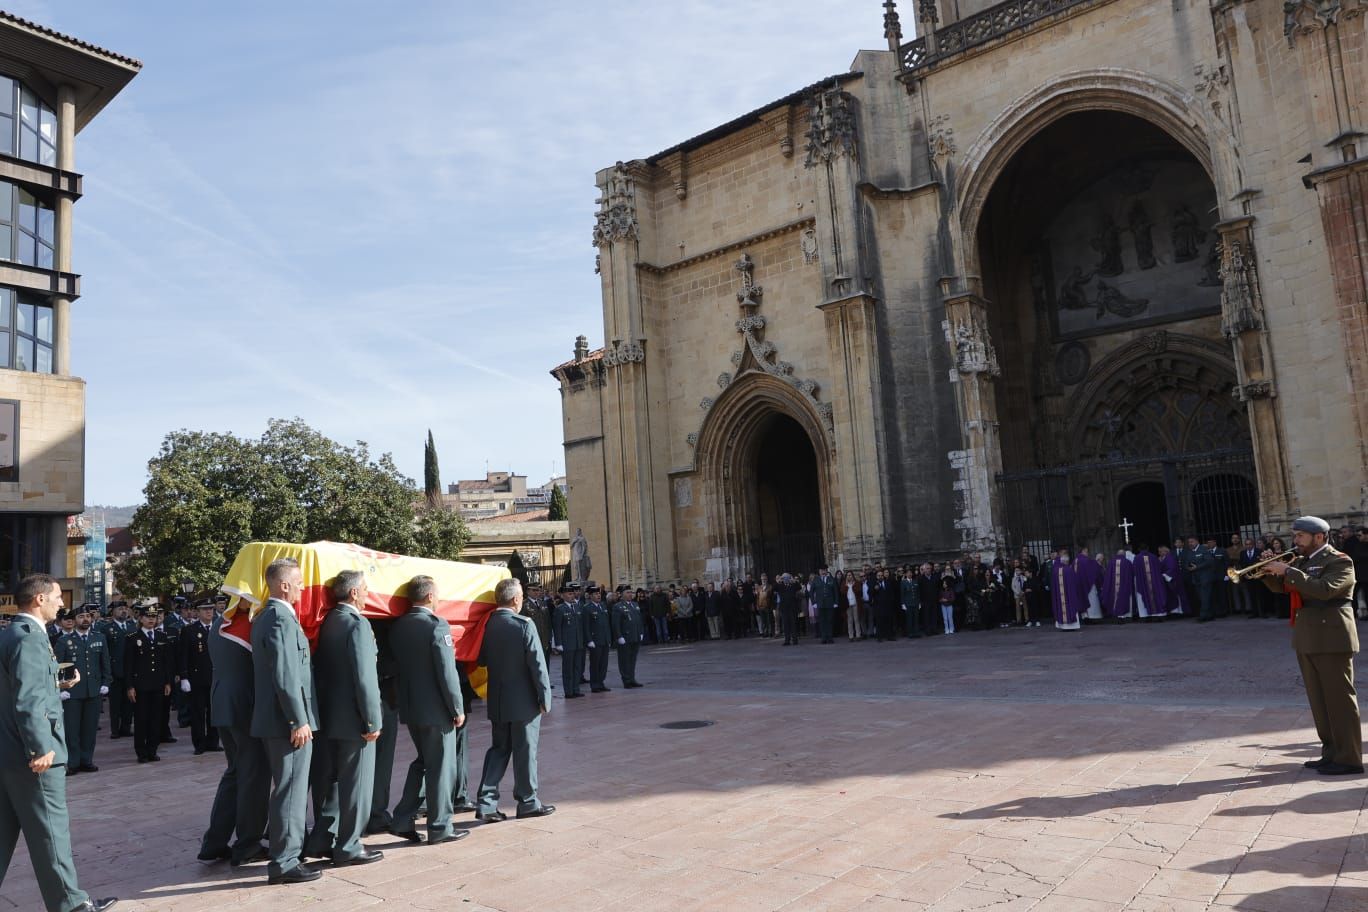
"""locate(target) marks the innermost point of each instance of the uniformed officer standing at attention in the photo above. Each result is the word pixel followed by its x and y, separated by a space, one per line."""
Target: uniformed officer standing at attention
pixel 195 667
pixel 1325 640
pixel 245 786
pixel 33 749
pixel 116 629
pixel 628 633
pixel 343 777
pixel 824 594
pixel 283 716
pixel 88 651
pixel 570 634
pixel 431 705
pixel 598 633
pixel 150 669
pixel 538 608
pixel 519 695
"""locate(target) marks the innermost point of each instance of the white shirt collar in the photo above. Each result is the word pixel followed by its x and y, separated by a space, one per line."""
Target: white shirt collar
pixel 35 617
pixel 288 607
pixel 1317 551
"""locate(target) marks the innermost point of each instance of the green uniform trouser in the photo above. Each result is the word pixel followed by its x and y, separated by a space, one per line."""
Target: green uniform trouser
pixel 1329 680
pixel 598 665
pixel 380 818
pixel 432 772
pixel 289 805
pixel 82 720
pixel 572 660
pixel 516 741
pixel 460 772
pixel 240 802
pixel 343 784
pixel 36 806
pixel 627 659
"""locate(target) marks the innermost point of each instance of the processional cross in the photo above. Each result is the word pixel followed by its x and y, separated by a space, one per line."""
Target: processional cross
pixel 1125 526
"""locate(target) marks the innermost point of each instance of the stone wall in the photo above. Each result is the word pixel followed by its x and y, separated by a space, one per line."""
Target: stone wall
pixel 51 443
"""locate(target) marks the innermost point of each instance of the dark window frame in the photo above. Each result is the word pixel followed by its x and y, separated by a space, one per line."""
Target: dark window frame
pixel 11 475
pixel 10 333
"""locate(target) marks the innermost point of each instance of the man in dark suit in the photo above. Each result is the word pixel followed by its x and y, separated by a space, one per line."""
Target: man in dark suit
pixel 343 776
pixel 33 750
pixel 245 786
pixel 88 652
pixel 1325 639
pixel 824 594
pixel 519 695
pixel 194 666
pixel 432 706
pixel 150 666
pixel 283 716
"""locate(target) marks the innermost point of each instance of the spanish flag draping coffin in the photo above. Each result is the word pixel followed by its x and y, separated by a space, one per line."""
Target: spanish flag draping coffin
pixel 465 592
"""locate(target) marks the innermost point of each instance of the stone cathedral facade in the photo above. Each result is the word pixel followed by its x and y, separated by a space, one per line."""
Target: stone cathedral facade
pixel 1051 266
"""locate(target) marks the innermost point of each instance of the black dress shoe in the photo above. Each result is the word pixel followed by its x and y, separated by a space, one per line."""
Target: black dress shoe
pixel 453 836
pixel 597 690
pixel 492 817
pixel 464 807
pixel 381 830
pixel 142 759
pixel 257 853
pixel 546 810
pixel 154 759
pixel 1315 764
pixel 199 751
pixel 222 854
pixel 168 740
pixel 1339 769
pixel 298 874
pixel 96 905
pixel 116 736
pixel 573 696
pixel 72 770
pixel 410 835
pixel 366 857
pixel 89 768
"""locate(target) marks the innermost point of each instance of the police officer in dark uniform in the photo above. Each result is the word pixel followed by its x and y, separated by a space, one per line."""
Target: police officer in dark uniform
pixel 195 667
pixel 88 651
pixel 150 666
pixel 598 637
pixel 116 629
pixel 570 635
pixel 538 609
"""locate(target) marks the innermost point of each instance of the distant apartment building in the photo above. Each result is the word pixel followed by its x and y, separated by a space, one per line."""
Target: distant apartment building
pixel 499 494
pixel 51 87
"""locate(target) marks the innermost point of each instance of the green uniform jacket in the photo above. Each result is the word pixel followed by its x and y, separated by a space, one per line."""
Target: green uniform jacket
pixel 626 618
pixel 281 673
pixel 30 708
pixel 597 628
pixel 91 657
pixel 230 696
pixel 1325 622
pixel 425 659
pixel 519 684
pixel 824 592
pixel 114 632
pixel 345 673
pixel 569 626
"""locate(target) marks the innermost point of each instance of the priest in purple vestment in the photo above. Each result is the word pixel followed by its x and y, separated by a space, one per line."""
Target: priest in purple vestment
pixel 1119 589
pixel 1173 579
pixel 1149 582
pixel 1066 593
pixel 1090 580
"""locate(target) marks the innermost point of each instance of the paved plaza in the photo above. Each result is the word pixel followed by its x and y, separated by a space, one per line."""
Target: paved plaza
pixel 1139 767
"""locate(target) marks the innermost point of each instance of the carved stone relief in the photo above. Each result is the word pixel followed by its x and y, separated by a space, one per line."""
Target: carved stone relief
pixel 831 126
pixel 624 353
pixel 616 218
pixel 974 352
pixel 1240 310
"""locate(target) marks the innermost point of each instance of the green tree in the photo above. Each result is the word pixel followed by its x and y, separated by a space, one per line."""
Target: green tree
pixel 559 509
pixel 432 476
pixel 209 494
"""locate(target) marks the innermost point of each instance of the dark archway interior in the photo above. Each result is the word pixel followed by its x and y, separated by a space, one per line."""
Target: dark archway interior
pixel 787 495
pixel 1143 505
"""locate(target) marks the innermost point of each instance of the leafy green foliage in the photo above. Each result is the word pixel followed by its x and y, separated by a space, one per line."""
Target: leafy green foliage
pixel 558 509
pixel 432 476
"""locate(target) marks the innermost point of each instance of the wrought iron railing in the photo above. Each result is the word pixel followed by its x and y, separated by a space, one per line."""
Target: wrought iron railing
pixel 983 27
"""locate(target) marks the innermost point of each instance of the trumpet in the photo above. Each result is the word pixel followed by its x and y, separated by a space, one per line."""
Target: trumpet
pixel 1236 575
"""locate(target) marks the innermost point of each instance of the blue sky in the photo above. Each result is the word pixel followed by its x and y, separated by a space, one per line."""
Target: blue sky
pixel 376 216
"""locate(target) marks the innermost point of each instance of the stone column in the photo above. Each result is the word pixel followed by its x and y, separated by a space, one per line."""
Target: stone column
pixel 979 463
pixel 66 160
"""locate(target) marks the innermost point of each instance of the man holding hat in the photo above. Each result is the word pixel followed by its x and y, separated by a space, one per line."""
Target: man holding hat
pixel 88 651
pixel 150 668
pixel 1320 581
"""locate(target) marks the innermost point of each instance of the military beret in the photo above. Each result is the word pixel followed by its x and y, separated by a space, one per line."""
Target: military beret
pixel 66 614
pixel 1311 524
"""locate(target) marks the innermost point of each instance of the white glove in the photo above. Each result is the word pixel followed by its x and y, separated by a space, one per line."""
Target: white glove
pixel 104 691
pixel 591 645
pixel 185 685
pixel 622 641
pixel 66 695
pixel 1167 578
pixel 643 638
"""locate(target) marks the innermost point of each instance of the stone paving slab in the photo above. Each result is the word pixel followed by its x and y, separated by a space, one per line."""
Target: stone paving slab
pixel 982 771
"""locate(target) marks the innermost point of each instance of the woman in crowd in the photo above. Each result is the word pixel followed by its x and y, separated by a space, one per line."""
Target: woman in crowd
pixel 852 597
pixel 764 607
pixel 713 610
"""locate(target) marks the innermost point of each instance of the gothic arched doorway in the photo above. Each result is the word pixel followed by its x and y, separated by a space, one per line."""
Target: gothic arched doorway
pixel 788 507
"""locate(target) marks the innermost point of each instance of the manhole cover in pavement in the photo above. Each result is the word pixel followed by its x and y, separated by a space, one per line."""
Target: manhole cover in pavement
pixel 688 723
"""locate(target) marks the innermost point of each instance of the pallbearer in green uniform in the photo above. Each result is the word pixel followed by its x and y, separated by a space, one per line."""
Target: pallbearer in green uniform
pixel 627 633
pixel 195 668
pixel 570 635
pixel 283 716
pixel 88 651
pixel 33 751
pixel 431 705
pixel 343 778
pixel 598 633
pixel 1325 639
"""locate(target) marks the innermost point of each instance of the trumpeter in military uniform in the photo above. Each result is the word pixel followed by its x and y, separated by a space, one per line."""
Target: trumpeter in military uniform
pixel 628 632
pixel 598 633
pixel 116 629
pixel 195 668
pixel 150 666
pixel 88 651
pixel 1325 639
pixel 570 634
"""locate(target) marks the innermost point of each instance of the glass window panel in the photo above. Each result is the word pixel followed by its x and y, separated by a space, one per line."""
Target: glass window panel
pixel 44 359
pixel 42 317
pixel 25 314
pixel 4 349
pixel 28 108
pixel 47 154
pixel 6 132
pixel 44 223
pixel 6 95
pixel 28 144
pixel 25 253
pixel 5 305
pixel 44 256
pixel 47 124
pixel 6 202
pixel 6 247
pixel 23 354
pixel 28 212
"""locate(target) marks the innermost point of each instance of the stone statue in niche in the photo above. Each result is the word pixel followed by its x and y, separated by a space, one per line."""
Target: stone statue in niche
pixel 1187 235
pixel 1073 294
pixel 1107 243
pixel 1211 269
pixel 1111 300
pixel 1142 231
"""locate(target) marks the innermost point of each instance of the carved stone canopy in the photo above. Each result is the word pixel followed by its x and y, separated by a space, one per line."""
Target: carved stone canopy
pixel 616 218
pixel 831 126
pixel 1301 17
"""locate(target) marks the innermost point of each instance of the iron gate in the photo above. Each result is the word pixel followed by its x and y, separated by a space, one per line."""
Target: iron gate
pixel 1158 498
